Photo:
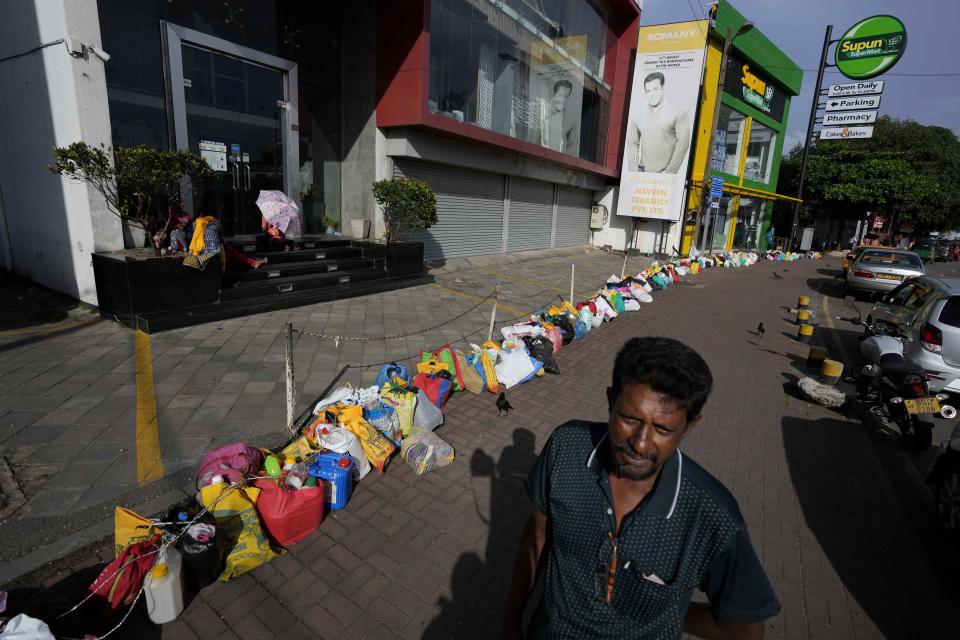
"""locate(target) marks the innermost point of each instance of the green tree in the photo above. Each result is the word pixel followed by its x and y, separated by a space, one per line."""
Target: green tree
pixel 134 181
pixel 908 171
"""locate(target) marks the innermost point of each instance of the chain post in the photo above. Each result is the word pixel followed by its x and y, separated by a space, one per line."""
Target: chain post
pixel 493 312
pixel 291 386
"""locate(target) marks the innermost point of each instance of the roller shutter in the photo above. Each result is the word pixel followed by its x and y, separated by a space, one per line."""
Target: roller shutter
pixel 531 214
pixel 573 216
pixel 469 210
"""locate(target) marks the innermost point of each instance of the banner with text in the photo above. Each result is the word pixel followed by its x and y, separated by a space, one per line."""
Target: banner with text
pixel 663 104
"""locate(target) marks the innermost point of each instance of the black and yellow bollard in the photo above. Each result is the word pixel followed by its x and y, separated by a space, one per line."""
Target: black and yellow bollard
pixel 815 357
pixel 830 372
pixel 803 317
pixel 803 303
pixel 805 333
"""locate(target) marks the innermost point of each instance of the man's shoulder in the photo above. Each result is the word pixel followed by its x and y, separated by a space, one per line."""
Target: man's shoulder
pixel 577 435
pixel 710 489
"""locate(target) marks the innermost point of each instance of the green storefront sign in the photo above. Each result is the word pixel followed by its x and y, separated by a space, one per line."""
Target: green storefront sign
pixel 871 47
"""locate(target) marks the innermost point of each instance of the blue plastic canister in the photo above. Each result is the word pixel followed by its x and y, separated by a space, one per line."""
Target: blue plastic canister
pixel 336 471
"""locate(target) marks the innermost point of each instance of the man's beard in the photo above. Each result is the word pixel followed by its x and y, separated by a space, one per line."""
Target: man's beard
pixel 630 473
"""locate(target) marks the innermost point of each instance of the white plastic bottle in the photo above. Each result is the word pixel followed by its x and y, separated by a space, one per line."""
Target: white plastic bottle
pixel 163 587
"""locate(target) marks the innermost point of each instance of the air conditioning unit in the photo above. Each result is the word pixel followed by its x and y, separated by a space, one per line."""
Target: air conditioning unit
pixel 598 216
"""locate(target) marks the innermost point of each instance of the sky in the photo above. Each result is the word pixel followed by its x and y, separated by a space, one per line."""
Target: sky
pixel 797 28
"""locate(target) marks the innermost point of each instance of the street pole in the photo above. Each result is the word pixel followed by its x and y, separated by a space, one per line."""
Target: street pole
pixel 810 123
pixel 705 187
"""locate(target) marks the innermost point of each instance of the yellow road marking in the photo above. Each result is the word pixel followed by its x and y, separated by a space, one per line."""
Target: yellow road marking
pixel 500 305
pixel 149 464
pixel 833 336
pixel 536 283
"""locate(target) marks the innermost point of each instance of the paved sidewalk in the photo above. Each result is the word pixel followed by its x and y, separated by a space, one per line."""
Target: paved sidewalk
pixel 430 557
pixel 81 421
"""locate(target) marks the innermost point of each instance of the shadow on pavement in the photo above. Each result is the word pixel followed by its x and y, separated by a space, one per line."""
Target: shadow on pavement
pixel 878 555
pixel 828 287
pixel 50 602
pixel 480 586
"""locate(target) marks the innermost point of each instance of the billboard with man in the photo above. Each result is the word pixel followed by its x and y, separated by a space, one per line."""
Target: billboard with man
pixel 663 102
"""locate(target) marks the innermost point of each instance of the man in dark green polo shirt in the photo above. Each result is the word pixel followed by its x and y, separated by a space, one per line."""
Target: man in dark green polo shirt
pixel 630 526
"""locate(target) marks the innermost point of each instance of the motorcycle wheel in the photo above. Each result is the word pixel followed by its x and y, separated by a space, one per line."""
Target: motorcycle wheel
pixel 917 436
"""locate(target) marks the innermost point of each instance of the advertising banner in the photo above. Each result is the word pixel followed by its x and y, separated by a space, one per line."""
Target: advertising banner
pixel 663 103
pixel 556 91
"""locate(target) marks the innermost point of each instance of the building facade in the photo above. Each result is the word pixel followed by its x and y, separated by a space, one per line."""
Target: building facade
pixel 759 83
pixel 509 109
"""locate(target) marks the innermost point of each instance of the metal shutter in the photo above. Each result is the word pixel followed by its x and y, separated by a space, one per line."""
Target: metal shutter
pixel 531 214
pixel 573 216
pixel 469 210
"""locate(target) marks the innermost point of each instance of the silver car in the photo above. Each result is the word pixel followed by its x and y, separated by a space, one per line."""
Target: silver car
pixel 882 270
pixel 928 310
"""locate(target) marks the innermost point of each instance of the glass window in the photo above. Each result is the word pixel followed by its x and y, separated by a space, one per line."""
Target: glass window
pixel 950 314
pixel 749 220
pixel 759 153
pixel 891 259
pixel 728 141
pixel 529 69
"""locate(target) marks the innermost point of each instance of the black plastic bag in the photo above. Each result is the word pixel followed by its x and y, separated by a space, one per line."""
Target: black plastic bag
pixel 541 349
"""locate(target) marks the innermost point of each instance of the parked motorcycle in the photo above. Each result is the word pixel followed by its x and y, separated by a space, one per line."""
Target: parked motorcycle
pixel 892 388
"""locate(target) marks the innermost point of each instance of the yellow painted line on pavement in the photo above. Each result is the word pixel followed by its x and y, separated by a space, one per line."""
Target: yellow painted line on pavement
pixel 845 357
pixel 500 305
pixel 149 464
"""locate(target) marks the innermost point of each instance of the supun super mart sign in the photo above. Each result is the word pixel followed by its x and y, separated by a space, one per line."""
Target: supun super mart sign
pixel 870 47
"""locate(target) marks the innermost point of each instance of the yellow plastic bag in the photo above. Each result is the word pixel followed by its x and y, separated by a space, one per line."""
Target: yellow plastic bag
pixel 375 446
pixel 490 344
pixel 301 448
pixel 404 402
pixel 235 511
pixel 568 307
pixel 432 366
pixel 345 412
pixel 489 372
pixel 130 527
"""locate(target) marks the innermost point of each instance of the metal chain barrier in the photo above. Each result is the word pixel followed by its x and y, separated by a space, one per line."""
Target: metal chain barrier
pixel 396 336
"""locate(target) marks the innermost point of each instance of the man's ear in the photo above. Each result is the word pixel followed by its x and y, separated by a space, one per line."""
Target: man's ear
pixel 611 399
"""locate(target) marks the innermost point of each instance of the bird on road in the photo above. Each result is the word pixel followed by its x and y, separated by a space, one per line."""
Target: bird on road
pixel 777 276
pixel 761 329
pixel 503 404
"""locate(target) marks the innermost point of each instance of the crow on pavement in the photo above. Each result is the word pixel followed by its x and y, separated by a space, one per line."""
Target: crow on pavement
pixel 503 404
pixel 761 329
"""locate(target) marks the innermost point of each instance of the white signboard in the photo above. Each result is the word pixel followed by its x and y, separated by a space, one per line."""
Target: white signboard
pixel 847 118
pixel 855 89
pixel 663 105
pixel 846 133
pixel 848 104
pixel 215 154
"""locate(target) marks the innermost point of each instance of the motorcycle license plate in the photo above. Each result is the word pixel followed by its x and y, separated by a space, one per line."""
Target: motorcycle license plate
pixel 922 405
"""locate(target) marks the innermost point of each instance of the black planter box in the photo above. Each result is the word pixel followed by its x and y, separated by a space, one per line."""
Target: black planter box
pixel 404 259
pixel 128 287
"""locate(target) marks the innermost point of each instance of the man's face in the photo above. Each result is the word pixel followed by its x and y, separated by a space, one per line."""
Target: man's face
pixel 645 429
pixel 654 92
pixel 559 100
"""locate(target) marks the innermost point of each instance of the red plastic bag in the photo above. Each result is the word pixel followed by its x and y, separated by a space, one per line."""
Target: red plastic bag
pixel 289 515
pixel 553 334
pixel 120 581
pixel 234 461
pixel 437 388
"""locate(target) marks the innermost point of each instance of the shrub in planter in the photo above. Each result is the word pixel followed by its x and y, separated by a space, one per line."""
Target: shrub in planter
pixel 408 206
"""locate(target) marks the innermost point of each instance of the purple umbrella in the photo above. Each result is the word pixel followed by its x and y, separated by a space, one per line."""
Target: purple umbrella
pixel 280 211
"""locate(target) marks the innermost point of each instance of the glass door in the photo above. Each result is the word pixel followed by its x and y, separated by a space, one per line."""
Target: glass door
pixel 232 106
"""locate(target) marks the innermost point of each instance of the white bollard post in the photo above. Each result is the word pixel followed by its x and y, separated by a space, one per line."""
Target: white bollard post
pixel 623 269
pixel 493 312
pixel 573 271
pixel 291 386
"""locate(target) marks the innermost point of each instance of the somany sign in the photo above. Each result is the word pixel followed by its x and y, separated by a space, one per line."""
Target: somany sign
pixel 871 47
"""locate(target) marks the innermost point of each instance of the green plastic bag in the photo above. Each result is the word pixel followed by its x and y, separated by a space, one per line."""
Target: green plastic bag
pixel 445 354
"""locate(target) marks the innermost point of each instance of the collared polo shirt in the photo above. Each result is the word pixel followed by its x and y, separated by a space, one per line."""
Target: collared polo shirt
pixel 686 534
